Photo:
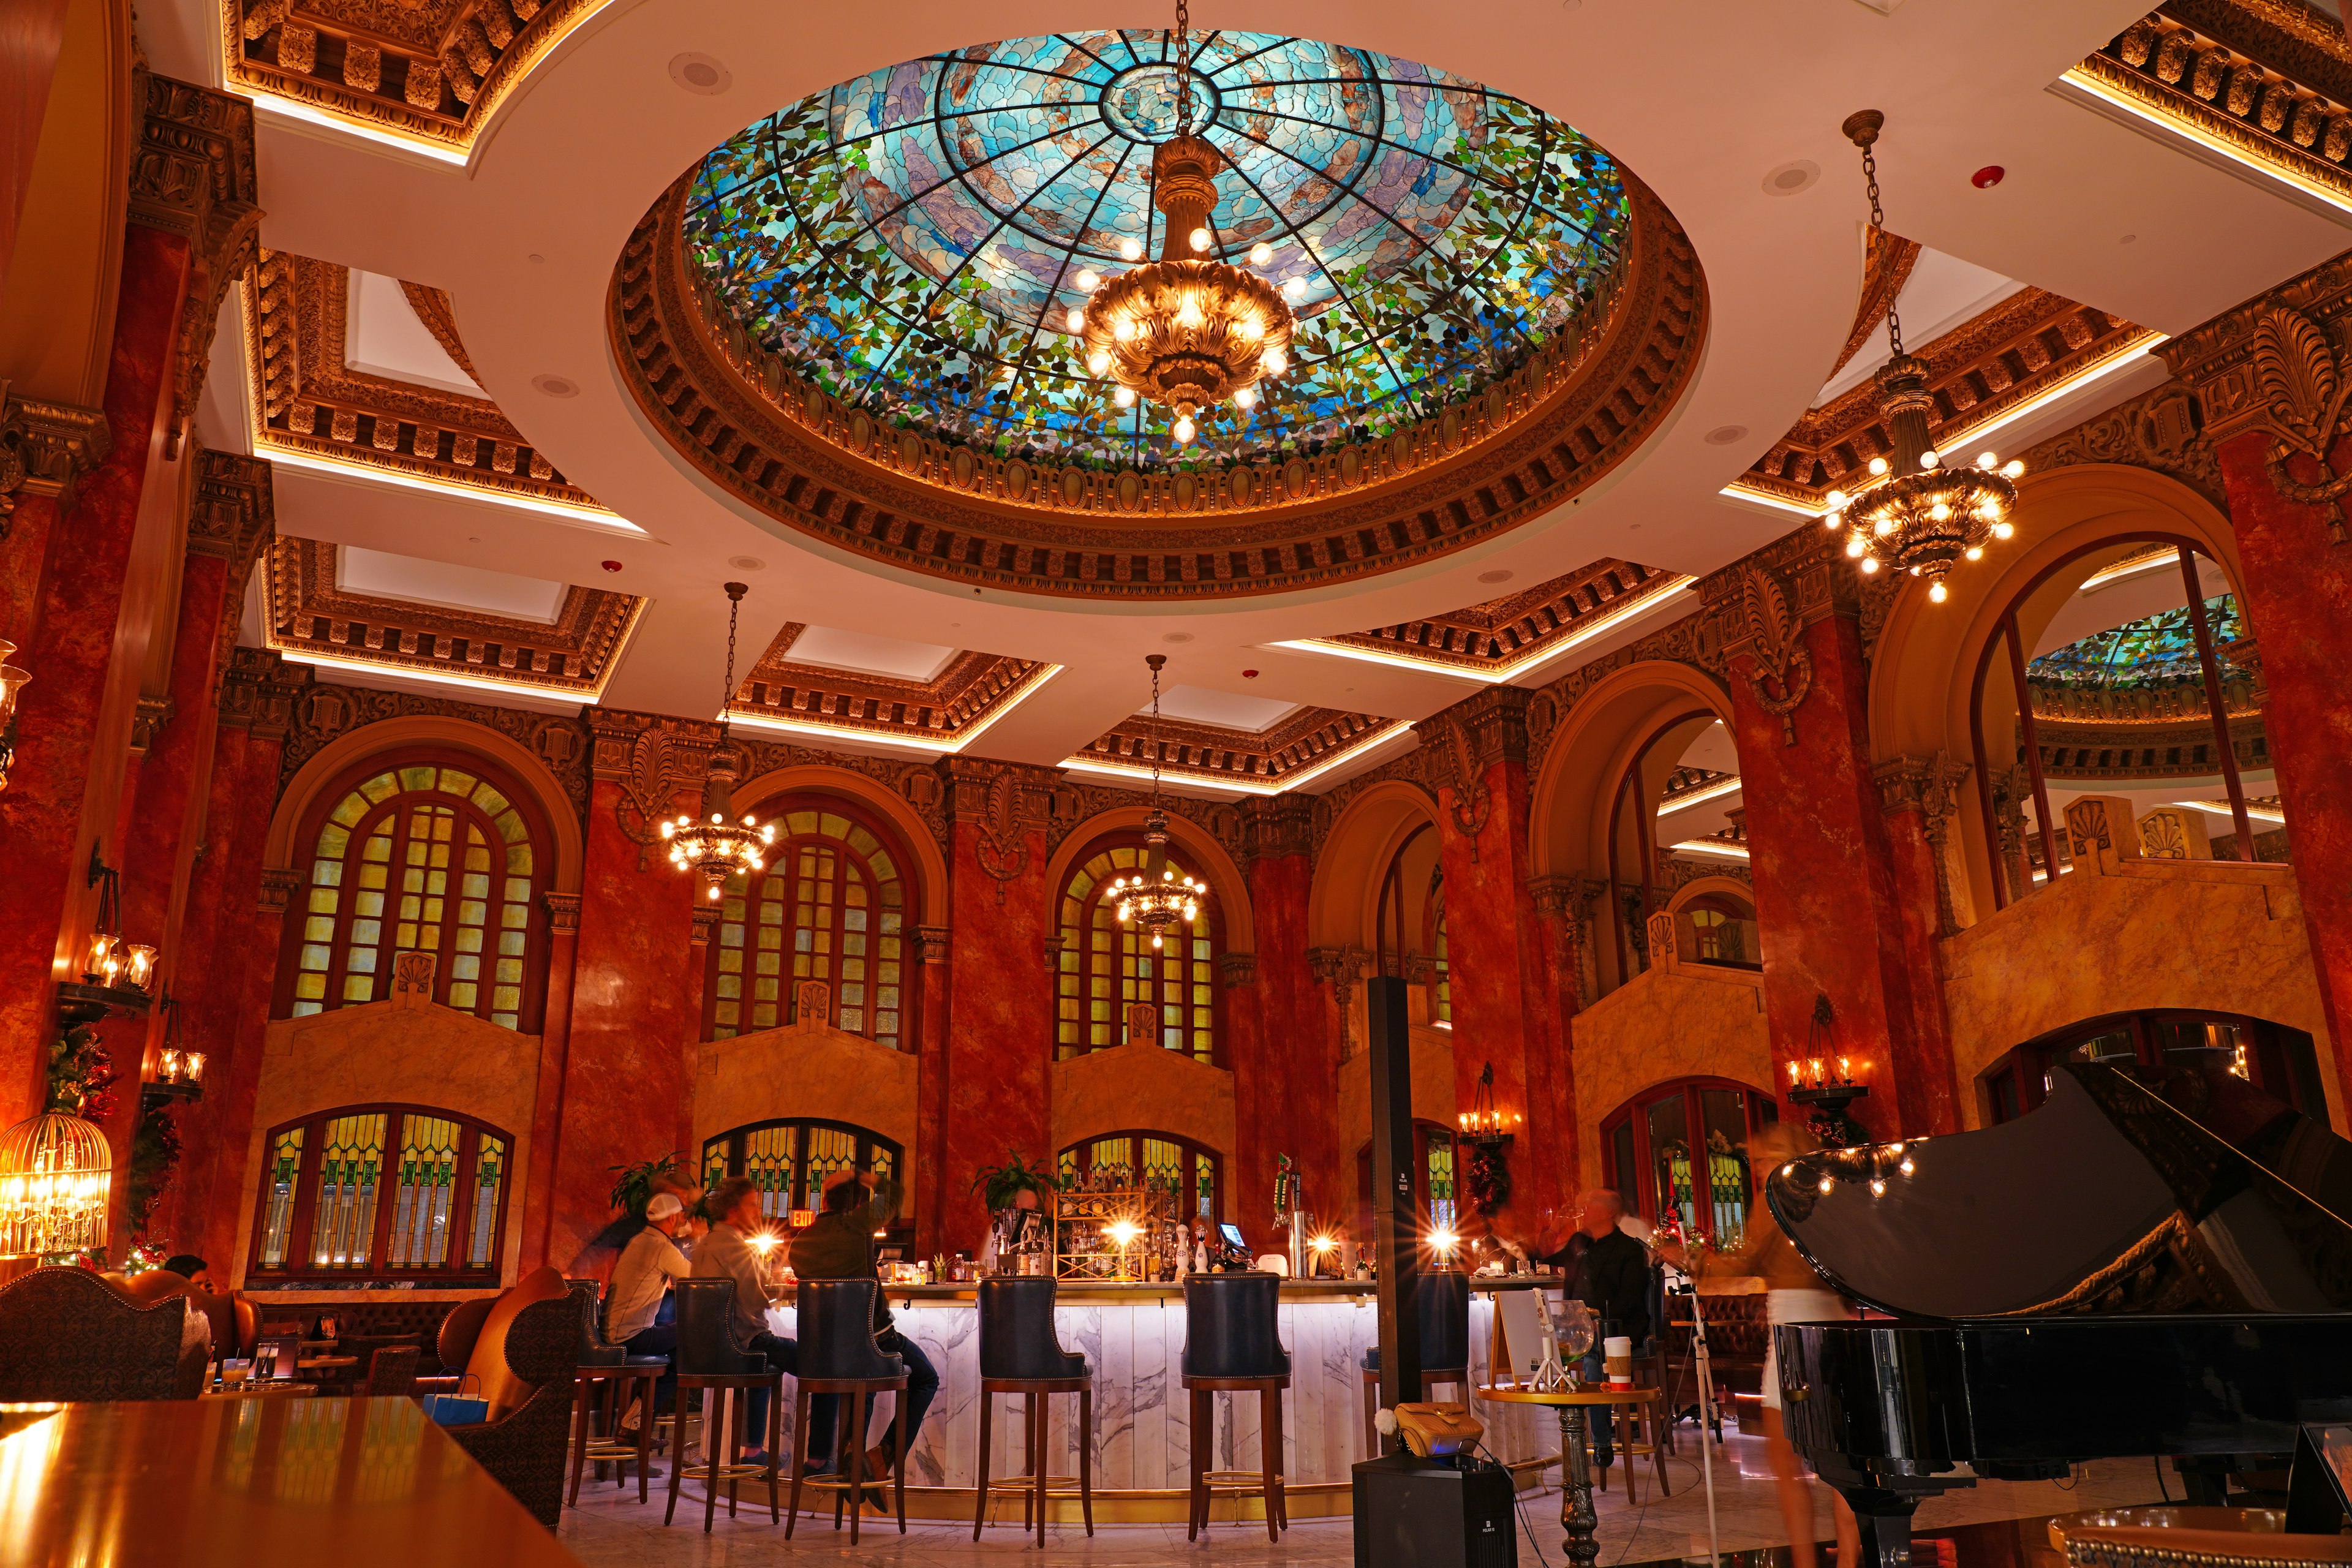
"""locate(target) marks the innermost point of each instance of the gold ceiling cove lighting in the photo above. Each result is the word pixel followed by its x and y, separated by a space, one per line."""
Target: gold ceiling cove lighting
pixel 714 843
pixel 1924 515
pixel 1185 333
pixel 1156 899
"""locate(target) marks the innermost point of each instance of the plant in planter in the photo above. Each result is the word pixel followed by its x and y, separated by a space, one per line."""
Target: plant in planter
pixel 998 1185
pixel 634 1185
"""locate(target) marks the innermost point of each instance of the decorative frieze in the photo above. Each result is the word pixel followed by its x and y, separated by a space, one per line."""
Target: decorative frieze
pixel 969 690
pixel 1311 738
pixel 193 173
pixel 45 448
pixel 1493 637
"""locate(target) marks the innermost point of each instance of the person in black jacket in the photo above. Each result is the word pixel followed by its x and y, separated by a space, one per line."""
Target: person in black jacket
pixel 1609 1272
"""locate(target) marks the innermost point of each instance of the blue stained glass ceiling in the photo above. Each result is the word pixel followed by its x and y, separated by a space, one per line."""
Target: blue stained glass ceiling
pixel 2154 650
pixel 914 240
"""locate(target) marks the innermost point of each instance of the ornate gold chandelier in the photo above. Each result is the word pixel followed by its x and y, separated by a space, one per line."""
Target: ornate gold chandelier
pixel 713 843
pixel 1186 332
pixel 1926 515
pixel 1157 900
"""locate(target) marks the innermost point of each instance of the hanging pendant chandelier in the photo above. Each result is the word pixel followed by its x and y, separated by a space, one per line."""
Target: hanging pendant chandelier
pixel 714 843
pixel 1183 332
pixel 1156 899
pixel 1923 514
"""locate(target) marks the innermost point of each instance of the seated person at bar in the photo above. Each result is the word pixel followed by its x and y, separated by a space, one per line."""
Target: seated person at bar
pixel 1609 1272
pixel 640 1282
pixel 194 1269
pixel 840 1246
pixel 727 1253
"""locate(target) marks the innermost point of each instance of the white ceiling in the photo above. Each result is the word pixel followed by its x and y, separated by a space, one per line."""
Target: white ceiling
pixel 1942 292
pixel 1699 99
pixel 862 651
pixel 383 336
pixel 389 577
pixel 1231 710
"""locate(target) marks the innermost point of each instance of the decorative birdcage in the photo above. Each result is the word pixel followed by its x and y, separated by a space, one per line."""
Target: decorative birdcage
pixel 55 1173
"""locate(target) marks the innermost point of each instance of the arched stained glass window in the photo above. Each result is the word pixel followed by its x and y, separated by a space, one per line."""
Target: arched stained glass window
pixel 1160 1160
pixel 1442 998
pixel 425 858
pixel 369 1192
pixel 1106 967
pixel 830 907
pixel 792 1161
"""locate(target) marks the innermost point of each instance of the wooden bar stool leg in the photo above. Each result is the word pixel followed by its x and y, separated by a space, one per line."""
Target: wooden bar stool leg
pixel 1269 1442
pixel 740 1406
pixel 714 1448
pixel 584 1392
pixel 987 1429
pixel 648 1443
pixel 676 1456
pixel 1086 1454
pixel 800 1455
pixel 1029 1458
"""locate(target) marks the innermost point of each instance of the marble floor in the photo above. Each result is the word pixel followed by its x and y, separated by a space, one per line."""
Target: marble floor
pixel 610 1530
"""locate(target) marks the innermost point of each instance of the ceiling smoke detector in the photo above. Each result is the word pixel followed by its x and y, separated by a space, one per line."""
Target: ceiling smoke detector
pixel 1501 575
pixel 1790 178
pixel 700 73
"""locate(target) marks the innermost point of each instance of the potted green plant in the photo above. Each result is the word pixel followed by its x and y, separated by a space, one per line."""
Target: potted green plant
pixel 633 1185
pixel 999 1184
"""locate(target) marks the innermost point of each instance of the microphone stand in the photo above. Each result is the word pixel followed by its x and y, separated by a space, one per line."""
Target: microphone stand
pixel 1706 1416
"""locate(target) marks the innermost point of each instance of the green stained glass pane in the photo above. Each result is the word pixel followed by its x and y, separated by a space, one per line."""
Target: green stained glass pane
pixel 277 1196
pixel 518 859
pixel 348 810
pixel 381 788
pixel 344 1213
pixel 489 1181
pixel 455 783
pixel 416 778
pixel 487 797
pixel 424 1191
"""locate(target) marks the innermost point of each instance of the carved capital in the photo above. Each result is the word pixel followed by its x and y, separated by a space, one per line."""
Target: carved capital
pixel 45 448
pixel 1496 721
pixel 1276 825
pixel 1927 785
pixel 1337 966
pixel 258 693
pixel 932 945
pixel 1420 969
pixel 150 716
pixel 1759 618
pixel 193 174
pixel 562 914
pixel 1563 897
pixel 278 886
pixel 706 925
pixel 1237 969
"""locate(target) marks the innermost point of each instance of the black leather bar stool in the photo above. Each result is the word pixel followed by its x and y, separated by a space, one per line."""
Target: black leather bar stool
pixel 708 1360
pixel 606 1378
pixel 1232 1346
pixel 1021 1353
pixel 839 1355
pixel 1444 1298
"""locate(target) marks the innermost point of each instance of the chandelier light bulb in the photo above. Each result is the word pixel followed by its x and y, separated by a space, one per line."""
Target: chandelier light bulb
pixel 1123 329
pixel 1833 521
pixel 1245 398
pixel 1928 459
pixel 1098 364
pixel 1855 546
pixel 1131 248
pixel 1837 500
pixel 1183 431
pixel 2013 469
pixel 1076 321
pixel 1878 466
pixel 1261 253
pixel 1295 286
pixel 1937 593
pixel 1124 397
pixel 2003 530
pixel 1940 512
pixel 1870 564
pixel 1273 362
pixel 1088 280
pixel 1882 525
pixel 1200 238
pixel 1155 939
pixel 1988 460
pixel 1974 553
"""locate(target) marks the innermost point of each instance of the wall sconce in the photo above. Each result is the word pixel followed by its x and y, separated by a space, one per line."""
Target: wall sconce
pixel 180 1074
pixel 1814 1083
pixel 11 681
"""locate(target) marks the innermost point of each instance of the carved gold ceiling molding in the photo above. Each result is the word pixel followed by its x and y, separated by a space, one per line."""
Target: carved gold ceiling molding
pixel 1884 269
pixel 2025 350
pixel 945 713
pixel 310 618
pixel 430 73
pixel 1502 637
pixel 1290 752
pixel 433 307
pixel 2262 83
pixel 307 402
pixel 1479 469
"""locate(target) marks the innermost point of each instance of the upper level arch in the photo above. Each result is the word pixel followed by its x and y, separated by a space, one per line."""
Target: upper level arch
pixel 930 905
pixel 1343 902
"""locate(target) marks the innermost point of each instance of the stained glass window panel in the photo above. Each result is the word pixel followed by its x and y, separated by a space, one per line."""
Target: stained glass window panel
pixel 351 1166
pixel 1105 965
pixel 831 899
pixel 489 1183
pixel 426 1191
pixel 277 1211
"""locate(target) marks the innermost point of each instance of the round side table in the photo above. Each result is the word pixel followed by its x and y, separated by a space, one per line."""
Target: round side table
pixel 1575 1470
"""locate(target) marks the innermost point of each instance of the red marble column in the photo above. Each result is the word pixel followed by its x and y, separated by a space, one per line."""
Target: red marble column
pixel 627 1073
pixel 1562 907
pixel 1280 1044
pixel 2298 590
pixel 1833 916
pixel 994 1089
pixel 235 1090
pixel 69 762
pixel 554 1053
pixel 1918 792
pixel 1498 958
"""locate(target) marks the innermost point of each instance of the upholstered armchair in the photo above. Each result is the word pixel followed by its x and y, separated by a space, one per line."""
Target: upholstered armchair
pixel 67 1334
pixel 519 1350
pixel 235 1321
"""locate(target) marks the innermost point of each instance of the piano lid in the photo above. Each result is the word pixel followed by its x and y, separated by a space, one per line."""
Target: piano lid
pixel 2104 1199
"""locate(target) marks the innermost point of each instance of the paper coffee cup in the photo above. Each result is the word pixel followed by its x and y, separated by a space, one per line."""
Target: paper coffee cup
pixel 1617 1361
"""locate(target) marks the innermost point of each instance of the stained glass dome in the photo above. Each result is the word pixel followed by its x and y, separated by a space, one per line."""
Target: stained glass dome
pixel 914 240
pixel 2154 650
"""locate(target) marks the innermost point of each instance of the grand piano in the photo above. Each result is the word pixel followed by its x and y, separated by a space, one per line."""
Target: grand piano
pixel 2154 1262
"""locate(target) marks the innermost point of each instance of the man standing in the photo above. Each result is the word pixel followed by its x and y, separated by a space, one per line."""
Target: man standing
pixel 640 1280
pixel 727 1253
pixel 1609 1272
pixel 840 1246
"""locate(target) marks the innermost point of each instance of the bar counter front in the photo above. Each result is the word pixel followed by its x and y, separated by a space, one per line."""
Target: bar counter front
pixel 1133 1336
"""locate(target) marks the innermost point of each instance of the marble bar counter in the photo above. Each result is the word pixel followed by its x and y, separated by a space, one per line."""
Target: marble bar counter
pixel 1133 1336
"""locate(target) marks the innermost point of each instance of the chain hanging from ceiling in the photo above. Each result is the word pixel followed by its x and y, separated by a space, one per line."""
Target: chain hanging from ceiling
pixel 716 843
pixel 1156 899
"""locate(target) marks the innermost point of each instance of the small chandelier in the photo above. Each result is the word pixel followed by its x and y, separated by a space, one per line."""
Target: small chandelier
pixel 56 1175
pixel 1156 899
pixel 714 843
pixel 1186 332
pixel 1926 515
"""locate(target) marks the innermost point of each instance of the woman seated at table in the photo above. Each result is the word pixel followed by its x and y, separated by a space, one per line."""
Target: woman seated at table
pixel 840 1246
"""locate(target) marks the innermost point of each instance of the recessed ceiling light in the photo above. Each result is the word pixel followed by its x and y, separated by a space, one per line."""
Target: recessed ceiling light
pixel 1176 636
pixel 1725 434
pixel 1789 178
pixel 556 385
pixel 700 73
pixel 747 562
pixel 1501 575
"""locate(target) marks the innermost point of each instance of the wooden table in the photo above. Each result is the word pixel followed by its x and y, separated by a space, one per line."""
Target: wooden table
pixel 1575 1466
pixel 262 1388
pixel 195 1483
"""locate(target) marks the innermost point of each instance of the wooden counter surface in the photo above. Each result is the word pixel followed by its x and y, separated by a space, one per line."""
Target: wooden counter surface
pixel 194 1483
